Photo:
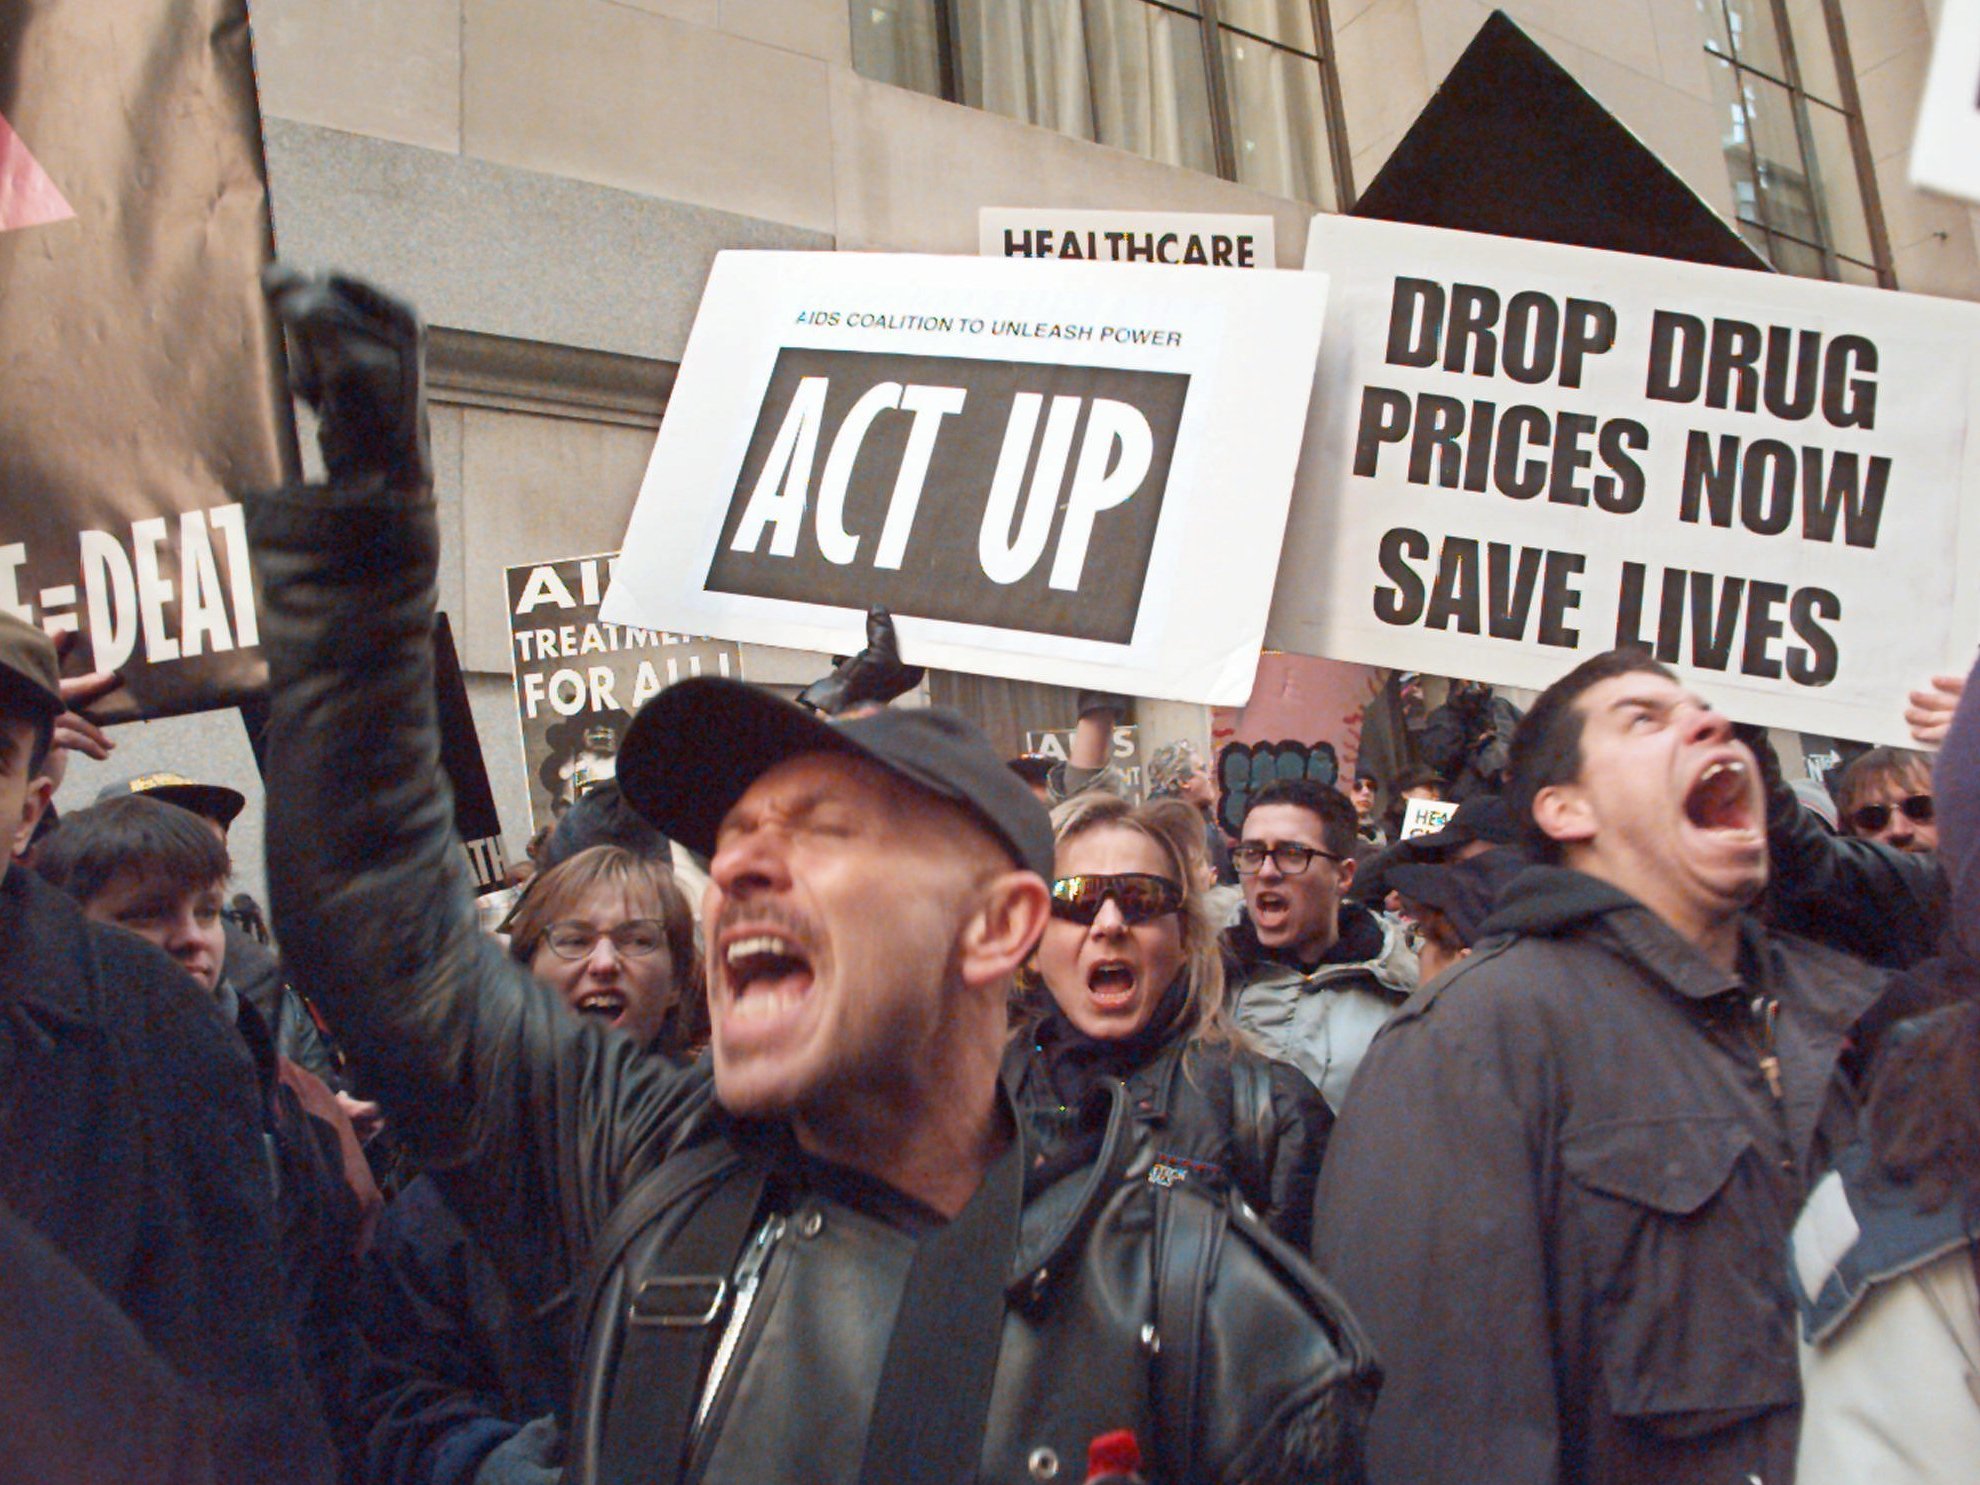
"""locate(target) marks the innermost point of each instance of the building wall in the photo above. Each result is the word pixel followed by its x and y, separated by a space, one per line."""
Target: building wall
pixel 550 179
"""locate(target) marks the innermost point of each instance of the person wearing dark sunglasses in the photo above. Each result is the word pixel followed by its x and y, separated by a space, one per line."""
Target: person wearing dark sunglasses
pixel 1886 795
pixel 1131 986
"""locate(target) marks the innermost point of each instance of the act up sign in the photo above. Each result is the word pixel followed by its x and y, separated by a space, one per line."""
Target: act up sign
pixel 1070 473
pixel 1522 454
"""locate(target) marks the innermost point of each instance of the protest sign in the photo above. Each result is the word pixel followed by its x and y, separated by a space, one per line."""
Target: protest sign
pixel 1425 817
pixel 1177 238
pixel 1523 454
pixel 1124 751
pixel 1945 152
pixel 475 820
pixel 144 386
pixel 1304 720
pixel 1075 474
pixel 580 678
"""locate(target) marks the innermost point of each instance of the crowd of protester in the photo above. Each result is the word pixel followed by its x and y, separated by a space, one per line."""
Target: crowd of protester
pixel 826 1109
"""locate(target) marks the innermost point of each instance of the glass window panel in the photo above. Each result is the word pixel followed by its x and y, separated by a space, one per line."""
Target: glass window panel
pixel 1835 184
pixel 1788 204
pixel 1756 238
pixel 1734 135
pixel 1278 123
pixel 1712 16
pixel 1852 272
pixel 1026 59
pixel 1812 52
pixel 1150 92
pixel 1119 72
pixel 1289 22
pixel 1754 39
pixel 1798 258
pixel 895 41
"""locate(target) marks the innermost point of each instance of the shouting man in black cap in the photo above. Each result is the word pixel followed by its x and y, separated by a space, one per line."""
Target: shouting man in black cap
pixel 824 1254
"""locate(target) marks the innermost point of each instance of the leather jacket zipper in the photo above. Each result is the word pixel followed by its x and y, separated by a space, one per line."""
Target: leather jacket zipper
pixel 748 1279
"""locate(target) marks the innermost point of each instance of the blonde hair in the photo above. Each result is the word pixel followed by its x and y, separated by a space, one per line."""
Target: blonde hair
pixel 1177 829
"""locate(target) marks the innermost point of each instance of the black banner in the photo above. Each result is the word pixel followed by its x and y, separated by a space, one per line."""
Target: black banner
pixel 143 392
pixel 1003 493
pixel 467 771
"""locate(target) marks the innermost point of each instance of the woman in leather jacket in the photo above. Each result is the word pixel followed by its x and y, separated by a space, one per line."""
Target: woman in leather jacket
pixel 1132 988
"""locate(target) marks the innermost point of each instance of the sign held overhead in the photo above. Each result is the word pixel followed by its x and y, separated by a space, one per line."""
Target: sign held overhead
pixel 1072 475
pixel 1523 454
pixel 1945 153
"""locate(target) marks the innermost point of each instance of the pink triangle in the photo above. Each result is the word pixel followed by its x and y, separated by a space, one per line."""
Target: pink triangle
pixel 28 198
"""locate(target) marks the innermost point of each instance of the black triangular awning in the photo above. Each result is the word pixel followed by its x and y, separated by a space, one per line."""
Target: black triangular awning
pixel 1512 145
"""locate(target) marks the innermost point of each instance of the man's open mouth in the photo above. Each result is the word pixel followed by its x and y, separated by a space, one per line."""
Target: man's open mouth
pixel 765 962
pixel 1721 798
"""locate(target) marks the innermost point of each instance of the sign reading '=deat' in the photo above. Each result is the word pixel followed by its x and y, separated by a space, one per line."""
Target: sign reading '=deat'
pixel 998 492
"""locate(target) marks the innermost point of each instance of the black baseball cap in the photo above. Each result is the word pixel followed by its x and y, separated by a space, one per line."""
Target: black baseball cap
pixel 30 675
pixel 601 817
pixel 697 746
pixel 1463 891
pixel 215 802
pixel 1483 817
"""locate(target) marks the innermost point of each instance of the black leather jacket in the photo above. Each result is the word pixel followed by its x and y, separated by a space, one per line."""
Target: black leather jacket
pixel 542 1123
pixel 1211 1112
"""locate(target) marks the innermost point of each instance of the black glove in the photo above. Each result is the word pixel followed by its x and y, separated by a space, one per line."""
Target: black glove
pixel 1781 801
pixel 874 675
pixel 357 356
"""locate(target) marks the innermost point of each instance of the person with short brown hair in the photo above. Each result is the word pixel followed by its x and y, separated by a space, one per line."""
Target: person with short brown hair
pixel 611 932
pixel 134 1128
pixel 1560 1194
pixel 1886 795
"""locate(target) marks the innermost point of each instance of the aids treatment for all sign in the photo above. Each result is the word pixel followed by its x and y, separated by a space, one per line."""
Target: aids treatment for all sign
pixel 1072 473
pixel 1522 454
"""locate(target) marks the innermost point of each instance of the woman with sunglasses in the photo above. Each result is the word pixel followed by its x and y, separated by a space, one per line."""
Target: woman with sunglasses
pixel 463 1370
pixel 1133 988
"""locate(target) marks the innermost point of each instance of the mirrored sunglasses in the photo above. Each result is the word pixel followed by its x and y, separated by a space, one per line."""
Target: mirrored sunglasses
pixel 1140 896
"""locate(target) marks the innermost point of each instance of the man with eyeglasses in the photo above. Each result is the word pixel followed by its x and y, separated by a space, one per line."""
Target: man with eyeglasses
pixel 1314 974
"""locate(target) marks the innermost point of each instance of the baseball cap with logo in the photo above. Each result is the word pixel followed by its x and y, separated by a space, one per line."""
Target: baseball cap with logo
pixel 215 802
pixel 30 675
pixel 694 750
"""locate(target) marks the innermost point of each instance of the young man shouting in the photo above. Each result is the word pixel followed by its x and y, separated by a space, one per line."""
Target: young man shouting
pixel 1560 1196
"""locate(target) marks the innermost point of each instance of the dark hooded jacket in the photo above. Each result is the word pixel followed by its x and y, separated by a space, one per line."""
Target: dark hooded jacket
pixel 545 1126
pixel 132 1129
pixel 1212 1112
pixel 1560 1197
